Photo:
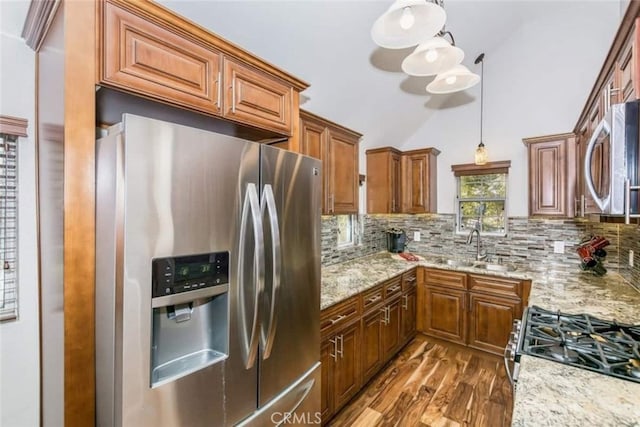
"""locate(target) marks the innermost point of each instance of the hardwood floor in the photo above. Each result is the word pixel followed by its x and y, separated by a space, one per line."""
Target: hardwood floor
pixel 433 383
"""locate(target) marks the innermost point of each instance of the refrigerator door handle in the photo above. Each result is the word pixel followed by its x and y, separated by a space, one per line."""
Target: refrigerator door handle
pixel 268 203
pixel 251 206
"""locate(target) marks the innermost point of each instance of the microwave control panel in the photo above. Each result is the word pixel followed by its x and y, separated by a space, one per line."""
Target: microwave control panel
pixel 174 275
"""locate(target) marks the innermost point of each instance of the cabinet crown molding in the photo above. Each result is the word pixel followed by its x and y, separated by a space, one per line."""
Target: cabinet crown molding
pixel 547 138
pixel 38 20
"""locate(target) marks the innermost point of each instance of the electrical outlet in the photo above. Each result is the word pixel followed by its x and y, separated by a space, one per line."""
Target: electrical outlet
pixel 558 247
pixel 631 258
pixel 416 236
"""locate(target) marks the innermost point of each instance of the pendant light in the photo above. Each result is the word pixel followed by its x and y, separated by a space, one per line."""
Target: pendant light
pixel 407 23
pixel 481 155
pixel 434 56
pixel 456 79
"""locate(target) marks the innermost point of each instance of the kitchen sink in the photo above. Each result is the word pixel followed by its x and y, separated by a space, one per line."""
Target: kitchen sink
pixel 455 262
pixel 496 267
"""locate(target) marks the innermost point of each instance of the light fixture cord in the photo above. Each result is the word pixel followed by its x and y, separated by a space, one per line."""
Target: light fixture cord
pixel 481 96
pixel 480 58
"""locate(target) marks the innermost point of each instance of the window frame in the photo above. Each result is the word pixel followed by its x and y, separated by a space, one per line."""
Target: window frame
pixel 14 128
pixel 353 224
pixel 491 168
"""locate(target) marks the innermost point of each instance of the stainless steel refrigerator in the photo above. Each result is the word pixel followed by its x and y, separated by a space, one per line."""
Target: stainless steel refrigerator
pixel 208 279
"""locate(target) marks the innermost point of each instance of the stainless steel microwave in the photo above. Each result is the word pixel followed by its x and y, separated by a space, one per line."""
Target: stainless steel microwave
pixel 612 161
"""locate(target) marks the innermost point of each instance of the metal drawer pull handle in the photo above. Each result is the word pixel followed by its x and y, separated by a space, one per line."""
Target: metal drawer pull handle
pixel 374 299
pixel 337 319
pixel 405 303
pixel 334 355
pixel 395 288
pixel 384 318
pixel 411 279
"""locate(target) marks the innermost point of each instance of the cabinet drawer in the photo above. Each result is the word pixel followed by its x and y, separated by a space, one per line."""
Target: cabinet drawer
pixel 256 98
pixel 339 315
pixel 499 286
pixel 393 287
pixel 449 279
pixel 372 298
pixel 409 280
pixel 145 58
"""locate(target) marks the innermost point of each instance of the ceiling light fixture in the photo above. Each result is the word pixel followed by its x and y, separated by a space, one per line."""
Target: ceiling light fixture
pixel 434 56
pixel 407 23
pixel 481 155
pixel 453 80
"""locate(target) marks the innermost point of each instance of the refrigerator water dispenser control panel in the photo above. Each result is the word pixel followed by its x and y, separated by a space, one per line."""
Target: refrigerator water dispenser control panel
pixel 174 275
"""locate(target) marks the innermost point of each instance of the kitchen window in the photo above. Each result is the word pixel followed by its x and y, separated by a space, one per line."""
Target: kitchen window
pixel 347 230
pixel 481 198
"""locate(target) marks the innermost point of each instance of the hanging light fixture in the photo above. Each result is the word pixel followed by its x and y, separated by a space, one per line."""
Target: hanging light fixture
pixel 481 156
pixel 407 23
pixel 434 56
pixel 453 80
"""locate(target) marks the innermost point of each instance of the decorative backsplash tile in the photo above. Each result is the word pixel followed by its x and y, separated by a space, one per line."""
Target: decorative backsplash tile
pixel 529 241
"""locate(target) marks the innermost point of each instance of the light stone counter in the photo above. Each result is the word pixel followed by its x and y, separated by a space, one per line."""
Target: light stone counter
pixel 553 394
pixel 548 393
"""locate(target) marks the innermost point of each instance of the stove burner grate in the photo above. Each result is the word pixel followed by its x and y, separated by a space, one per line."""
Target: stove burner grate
pixel 583 341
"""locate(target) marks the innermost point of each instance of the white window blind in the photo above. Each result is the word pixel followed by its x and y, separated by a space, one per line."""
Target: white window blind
pixel 8 227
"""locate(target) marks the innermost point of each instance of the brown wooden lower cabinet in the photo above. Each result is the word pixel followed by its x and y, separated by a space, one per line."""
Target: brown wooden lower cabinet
pixel 490 321
pixel 372 356
pixel 408 315
pixel 352 351
pixel 469 309
pixel 391 329
pixel 445 313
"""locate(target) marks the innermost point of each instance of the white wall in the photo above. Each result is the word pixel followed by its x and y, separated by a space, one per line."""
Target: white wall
pixel 19 359
pixel 525 94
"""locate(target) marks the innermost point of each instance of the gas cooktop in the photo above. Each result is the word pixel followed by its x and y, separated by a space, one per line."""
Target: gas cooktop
pixel 583 341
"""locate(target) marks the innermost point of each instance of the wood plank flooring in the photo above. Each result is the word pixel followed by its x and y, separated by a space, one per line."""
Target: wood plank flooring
pixel 433 383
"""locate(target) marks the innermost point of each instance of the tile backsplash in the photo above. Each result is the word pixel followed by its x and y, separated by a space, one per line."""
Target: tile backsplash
pixel 529 241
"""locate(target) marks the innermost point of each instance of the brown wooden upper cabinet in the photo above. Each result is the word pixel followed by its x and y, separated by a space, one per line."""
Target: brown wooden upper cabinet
pixel 172 60
pixel 419 170
pixel 552 175
pixel 384 180
pixel 402 181
pixel 337 147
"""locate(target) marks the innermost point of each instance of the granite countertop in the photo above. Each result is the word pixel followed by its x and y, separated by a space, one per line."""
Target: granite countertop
pixel 548 393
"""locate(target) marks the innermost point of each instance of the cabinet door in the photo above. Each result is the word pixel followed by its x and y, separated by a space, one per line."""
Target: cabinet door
pixel 372 357
pixel 391 329
pixel 419 189
pixel 626 70
pixel 416 183
pixel 327 350
pixel 341 173
pixel 256 98
pixel 396 183
pixel 348 371
pixel 142 57
pixel 446 314
pixel 408 315
pixel 312 138
pixel 491 320
pixel 547 178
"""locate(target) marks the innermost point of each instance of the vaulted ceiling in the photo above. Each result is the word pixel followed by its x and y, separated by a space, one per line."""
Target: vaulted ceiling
pixel 354 82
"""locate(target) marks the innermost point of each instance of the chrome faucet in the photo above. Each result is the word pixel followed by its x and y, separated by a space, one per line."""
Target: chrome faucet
pixel 479 255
